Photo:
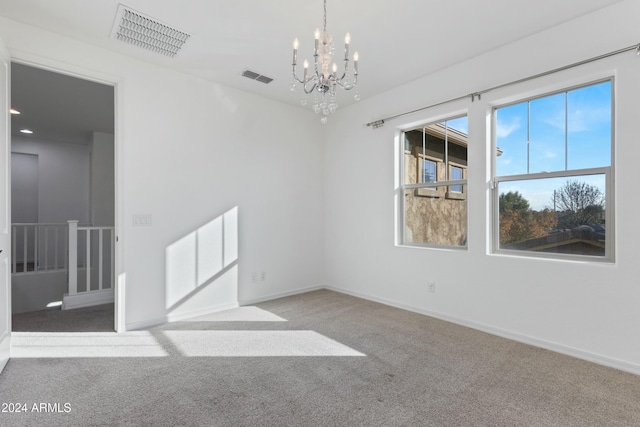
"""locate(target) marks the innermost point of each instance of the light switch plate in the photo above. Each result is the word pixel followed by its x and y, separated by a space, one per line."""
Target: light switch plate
pixel 143 220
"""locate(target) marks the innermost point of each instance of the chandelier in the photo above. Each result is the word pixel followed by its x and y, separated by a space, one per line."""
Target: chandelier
pixel 322 81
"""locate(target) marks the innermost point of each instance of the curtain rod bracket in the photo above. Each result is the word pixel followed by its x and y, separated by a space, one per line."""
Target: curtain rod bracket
pixel 473 96
pixel 377 124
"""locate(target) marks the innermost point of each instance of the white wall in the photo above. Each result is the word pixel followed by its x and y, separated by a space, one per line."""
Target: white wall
pixel 24 198
pixel 32 292
pixel 586 309
pixel 63 178
pixel 102 168
pixel 188 151
pixel 24 187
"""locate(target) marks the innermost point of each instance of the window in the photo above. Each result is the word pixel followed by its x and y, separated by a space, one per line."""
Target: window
pixel 553 180
pixel 434 208
pixel 428 171
pixel 455 175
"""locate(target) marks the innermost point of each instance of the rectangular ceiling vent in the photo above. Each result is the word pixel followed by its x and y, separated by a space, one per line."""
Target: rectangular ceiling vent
pixel 148 33
pixel 255 76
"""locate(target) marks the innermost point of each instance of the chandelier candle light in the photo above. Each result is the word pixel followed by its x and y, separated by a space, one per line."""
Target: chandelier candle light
pixel 322 82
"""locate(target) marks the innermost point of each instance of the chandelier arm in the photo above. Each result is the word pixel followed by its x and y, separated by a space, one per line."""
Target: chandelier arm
pixel 342 77
pixel 344 73
pixel 308 91
pixel 304 82
pixel 348 86
pixel 295 77
pixel 299 80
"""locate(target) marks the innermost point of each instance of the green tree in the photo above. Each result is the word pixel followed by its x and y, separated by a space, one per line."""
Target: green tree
pixel 519 222
pixel 513 201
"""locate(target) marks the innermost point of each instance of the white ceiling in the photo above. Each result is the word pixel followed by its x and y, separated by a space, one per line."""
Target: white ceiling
pixel 398 41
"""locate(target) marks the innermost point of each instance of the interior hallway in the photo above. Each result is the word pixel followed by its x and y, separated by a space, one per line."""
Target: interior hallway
pixel 98 318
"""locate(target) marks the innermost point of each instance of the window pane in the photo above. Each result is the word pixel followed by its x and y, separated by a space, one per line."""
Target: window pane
pixel 589 117
pixel 436 215
pixel 431 218
pixel 410 157
pixel 461 125
pixel 547 134
pixel 565 131
pixel 429 148
pixel 511 137
pixel 457 140
pixel 558 215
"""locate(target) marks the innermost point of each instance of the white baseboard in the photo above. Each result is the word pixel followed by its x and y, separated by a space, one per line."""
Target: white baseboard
pixel 270 297
pixel 145 324
pixel 87 299
pixel 536 342
pixel 5 349
pixel 172 317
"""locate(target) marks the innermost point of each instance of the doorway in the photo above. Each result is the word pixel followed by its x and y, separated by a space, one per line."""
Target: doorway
pixel 66 124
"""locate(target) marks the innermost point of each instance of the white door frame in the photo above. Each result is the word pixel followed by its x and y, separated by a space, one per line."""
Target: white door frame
pixel 5 207
pixel 116 82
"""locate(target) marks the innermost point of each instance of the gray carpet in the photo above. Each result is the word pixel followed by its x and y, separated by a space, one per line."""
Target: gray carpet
pixel 317 359
pixel 91 319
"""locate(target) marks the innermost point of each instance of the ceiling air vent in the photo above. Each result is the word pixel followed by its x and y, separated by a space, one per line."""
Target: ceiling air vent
pixel 255 76
pixel 143 31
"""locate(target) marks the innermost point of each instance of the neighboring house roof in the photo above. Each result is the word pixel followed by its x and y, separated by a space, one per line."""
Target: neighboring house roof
pixel 438 130
pixel 455 136
pixel 579 240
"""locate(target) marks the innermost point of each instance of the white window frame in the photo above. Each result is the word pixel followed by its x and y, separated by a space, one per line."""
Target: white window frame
pixel 607 171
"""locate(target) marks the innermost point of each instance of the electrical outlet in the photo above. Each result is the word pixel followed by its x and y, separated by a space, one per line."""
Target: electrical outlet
pixel 263 276
pixel 431 287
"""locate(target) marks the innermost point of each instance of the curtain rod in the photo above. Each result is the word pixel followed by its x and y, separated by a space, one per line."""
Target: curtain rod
pixel 379 123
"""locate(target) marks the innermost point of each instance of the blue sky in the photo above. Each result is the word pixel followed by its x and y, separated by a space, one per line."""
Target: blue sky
pixel 460 124
pixel 583 117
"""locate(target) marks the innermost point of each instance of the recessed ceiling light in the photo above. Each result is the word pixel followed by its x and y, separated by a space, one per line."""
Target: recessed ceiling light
pixel 26 131
pixel 14 111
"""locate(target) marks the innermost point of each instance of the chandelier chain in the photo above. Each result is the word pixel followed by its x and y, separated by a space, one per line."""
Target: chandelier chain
pixel 325 16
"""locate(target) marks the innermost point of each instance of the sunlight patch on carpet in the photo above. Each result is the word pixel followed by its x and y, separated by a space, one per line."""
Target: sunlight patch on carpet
pixel 84 344
pixel 256 344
